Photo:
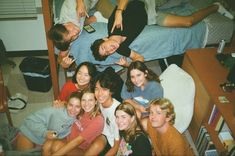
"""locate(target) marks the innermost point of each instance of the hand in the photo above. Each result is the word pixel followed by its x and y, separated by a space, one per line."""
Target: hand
pixel 58 104
pixel 51 135
pixel 118 21
pixel 66 61
pixel 142 108
pixel 123 62
pixel 81 9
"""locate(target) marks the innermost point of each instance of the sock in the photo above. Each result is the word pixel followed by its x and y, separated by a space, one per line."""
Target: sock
pixel 100 18
pixel 224 11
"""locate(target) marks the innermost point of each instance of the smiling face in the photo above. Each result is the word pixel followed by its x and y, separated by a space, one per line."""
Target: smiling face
pixel 73 31
pixel 123 120
pixel 138 78
pixel 103 95
pixel 108 47
pixel 73 107
pixel 88 102
pixel 83 77
pixel 158 117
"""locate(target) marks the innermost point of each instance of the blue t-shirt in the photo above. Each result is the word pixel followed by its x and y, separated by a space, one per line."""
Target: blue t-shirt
pixel 151 91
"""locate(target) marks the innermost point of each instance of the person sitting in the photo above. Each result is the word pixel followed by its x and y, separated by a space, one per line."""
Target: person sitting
pixel 48 123
pixel 108 142
pixel 81 80
pixel 85 129
pixel 129 19
pixel 159 126
pixel 141 86
pixel 134 141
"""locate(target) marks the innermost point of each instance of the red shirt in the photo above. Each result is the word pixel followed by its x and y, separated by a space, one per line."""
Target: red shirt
pixel 88 128
pixel 67 89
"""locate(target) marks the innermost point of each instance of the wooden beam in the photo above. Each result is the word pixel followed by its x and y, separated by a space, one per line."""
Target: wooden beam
pixel 48 22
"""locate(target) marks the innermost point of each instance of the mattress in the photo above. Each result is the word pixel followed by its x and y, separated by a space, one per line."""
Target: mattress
pixel 218 27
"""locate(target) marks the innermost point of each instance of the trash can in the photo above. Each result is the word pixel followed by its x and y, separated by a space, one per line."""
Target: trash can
pixel 36 72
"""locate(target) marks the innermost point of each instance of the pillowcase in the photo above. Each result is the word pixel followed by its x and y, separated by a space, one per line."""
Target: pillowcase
pixel 179 88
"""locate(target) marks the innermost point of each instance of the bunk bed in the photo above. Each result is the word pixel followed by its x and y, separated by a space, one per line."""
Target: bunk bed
pixel 170 41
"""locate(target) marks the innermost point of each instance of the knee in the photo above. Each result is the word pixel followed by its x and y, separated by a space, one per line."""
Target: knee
pixel 57 144
pixel 47 145
pixel 189 21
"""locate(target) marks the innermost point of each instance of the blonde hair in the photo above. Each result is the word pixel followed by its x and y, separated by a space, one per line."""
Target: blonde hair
pixel 96 109
pixel 135 126
pixel 166 106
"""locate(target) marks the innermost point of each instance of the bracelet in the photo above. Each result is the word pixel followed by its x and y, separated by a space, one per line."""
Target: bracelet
pixel 119 10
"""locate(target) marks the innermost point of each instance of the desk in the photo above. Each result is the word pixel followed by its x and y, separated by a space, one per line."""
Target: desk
pixel 208 74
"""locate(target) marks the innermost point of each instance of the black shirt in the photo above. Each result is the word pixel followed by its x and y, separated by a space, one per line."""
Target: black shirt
pixel 134 20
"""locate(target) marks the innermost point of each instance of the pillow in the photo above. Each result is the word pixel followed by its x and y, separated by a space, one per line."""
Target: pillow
pixel 179 88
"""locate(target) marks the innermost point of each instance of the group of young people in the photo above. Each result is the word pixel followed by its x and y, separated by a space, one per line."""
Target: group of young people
pixel 86 119
pixel 126 22
pixel 96 113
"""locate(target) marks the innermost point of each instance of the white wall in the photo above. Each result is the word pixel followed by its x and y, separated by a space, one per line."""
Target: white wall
pixel 24 35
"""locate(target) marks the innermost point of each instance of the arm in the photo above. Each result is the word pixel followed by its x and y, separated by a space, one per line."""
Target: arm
pixel 114 149
pixel 136 57
pixel 136 105
pixel 69 146
pixel 81 9
pixel 118 15
pixel 64 60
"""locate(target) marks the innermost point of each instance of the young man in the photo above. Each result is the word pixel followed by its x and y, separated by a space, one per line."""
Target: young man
pixel 165 138
pixel 128 20
pixel 108 142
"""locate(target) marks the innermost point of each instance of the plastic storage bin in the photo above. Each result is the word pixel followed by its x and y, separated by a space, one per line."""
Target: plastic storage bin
pixel 36 73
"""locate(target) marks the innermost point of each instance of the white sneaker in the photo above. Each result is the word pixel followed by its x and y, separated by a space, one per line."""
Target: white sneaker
pixel 224 11
pixel 100 17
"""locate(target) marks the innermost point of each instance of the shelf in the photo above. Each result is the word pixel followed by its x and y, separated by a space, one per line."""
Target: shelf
pixel 214 137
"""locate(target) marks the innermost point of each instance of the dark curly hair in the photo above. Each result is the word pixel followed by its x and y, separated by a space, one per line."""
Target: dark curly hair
pixel 151 76
pixel 57 34
pixel 95 50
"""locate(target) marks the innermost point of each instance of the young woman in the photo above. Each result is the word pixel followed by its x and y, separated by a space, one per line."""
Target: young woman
pixel 85 129
pixel 134 141
pixel 165 138
pixel 141 86
pixel 48 123
pixel 81 80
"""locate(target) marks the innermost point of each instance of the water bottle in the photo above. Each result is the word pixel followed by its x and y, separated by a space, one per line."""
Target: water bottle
pixel 221 46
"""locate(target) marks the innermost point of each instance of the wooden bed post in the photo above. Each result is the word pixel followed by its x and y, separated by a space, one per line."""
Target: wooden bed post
pixel 48 22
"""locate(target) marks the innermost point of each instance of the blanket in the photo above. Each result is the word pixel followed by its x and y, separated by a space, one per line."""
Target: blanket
pixel 154 42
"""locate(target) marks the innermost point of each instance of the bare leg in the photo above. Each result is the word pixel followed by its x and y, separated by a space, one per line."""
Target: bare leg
pixel 97 146
pixel 23 143
pixel 46 148
pixel 187 21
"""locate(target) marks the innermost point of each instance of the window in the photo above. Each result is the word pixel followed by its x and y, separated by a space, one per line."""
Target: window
pixel 14 9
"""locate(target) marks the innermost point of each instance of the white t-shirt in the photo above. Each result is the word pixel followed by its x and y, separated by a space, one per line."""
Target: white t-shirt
pixel 68 12
pixel 110 127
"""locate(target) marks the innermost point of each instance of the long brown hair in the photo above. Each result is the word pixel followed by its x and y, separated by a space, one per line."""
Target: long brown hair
pixel 151 76
pixel 135 127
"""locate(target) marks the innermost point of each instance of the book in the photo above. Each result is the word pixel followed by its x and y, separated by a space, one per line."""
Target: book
pixel 226 138
pixel 211 152
pixel 213 113
pixel 201 134
pixel 219 124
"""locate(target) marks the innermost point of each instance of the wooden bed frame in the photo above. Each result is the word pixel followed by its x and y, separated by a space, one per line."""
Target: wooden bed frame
pixel 48 22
